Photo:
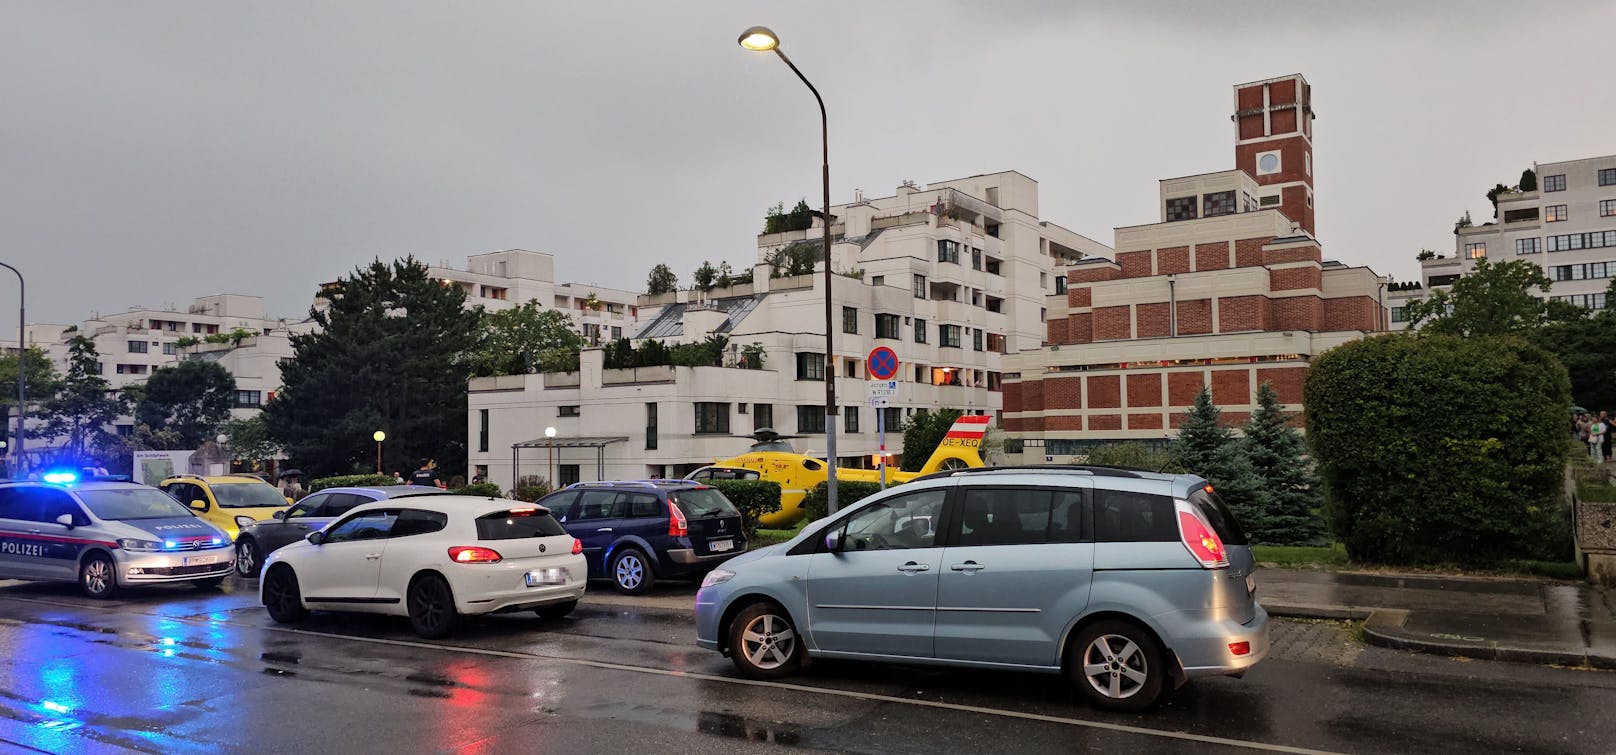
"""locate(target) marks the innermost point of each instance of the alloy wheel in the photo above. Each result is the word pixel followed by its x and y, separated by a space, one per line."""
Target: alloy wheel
pixel 630 571
pixel 246 559
pixel 768 641
pixel 1115 666
pixel 97 576
pixel 427 605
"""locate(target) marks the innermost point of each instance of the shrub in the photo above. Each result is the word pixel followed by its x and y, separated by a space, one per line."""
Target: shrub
pixel 530 493
pixel 847 493
pixel 479 489
pixel 1440 449
pixel 348 481
pixel 754 498
pixel 1133 455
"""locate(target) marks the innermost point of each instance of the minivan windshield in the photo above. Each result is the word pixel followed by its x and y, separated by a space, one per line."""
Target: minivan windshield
pixel 1216 512
pixel 700 503
pixel 247 495
pixel 120 504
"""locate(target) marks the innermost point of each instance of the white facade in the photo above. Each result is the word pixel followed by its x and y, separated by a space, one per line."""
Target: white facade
pixel 510 278
pixel 951 277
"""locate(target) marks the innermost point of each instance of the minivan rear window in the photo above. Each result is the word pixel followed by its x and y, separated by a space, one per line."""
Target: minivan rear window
pixel 702 503
pixel 517 524
pixel 1124 516
pixel 1222 519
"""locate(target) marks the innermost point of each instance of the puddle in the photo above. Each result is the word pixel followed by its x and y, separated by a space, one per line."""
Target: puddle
pixel 737 727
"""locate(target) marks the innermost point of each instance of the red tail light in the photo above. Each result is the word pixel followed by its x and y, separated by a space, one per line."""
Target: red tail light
pixel 471 554
pixel 577 546
pixel 1240 648
pixel 1202 542
pixel 678 526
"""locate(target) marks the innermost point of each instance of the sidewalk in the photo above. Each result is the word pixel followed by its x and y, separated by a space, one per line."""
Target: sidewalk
pixel 1524 620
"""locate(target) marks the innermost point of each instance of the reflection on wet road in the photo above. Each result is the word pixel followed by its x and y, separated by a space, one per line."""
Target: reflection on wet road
pixel 179 670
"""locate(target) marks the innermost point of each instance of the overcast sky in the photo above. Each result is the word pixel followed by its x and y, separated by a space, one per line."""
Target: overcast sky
pixel 152 152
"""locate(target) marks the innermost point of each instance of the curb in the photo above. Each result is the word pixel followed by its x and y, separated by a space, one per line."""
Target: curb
pixel 1383 627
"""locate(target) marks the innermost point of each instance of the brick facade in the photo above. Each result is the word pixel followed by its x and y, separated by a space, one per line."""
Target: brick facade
pixel 1056 331
pixel 1292 278
pixel 1231 387
pixel 1350 313
pixel 1182 387
pixel 1248 252
pixel 1236 313
pixel 1063 392
pixel 1194 317
pixel 1079 297
pixel 1134 264
pixel 1145 389
pixel 1214 256
pixel 1105 422
pixel 1113 323
pixel 1287 382
pixel 1153 320
pixel 1152 421
pixel 1032 396
pixel 1296 313
pixel 1067 422
pixel 1173 259
pixel 1104 391
pixel 1080 327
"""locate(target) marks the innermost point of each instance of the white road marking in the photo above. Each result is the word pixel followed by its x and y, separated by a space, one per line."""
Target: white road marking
pixel 865 696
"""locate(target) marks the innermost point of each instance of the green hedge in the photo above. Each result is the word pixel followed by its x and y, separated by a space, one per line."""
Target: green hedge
pixel 1440 449
pixel 847 494
pixel 480 489
pixel 754 498
pixel 530 493
pixel 350 481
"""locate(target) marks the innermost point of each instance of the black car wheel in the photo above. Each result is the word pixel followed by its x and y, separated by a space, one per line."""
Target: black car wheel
pixel 248 560
pixel 556 610
pixel 763 643
pixel 431 607
pixel 98 577
pixel 1118 666
pixel 631 572
pixel 283 598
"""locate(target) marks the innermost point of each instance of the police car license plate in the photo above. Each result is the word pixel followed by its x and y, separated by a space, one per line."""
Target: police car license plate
pixel 551 576
pixel 718 546
pixel 200 560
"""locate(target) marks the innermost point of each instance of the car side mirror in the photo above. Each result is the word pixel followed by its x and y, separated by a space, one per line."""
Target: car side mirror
pixel 199 505
pixel 66 520
pixel 833 540
pixel 316 537
pixel 278 515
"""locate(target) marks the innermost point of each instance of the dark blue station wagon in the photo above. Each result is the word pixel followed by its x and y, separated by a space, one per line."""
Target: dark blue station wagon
pixel 637 532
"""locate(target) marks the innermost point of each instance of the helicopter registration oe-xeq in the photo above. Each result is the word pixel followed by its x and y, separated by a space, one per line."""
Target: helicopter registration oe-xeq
pixel 773 458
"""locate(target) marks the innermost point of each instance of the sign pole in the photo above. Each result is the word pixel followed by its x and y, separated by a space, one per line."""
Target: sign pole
pixel 881 437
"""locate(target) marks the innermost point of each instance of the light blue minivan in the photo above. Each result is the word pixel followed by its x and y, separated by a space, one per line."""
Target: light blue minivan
pixel 1130 582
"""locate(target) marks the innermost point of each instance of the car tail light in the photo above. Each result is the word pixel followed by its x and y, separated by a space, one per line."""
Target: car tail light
pixel 577 546
pixel 472 554
pixel 1240 648
pixel 678 526
pixel 1198 537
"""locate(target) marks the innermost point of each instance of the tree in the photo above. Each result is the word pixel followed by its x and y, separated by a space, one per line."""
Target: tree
pixel 516 341
pixel 797 259
pixel 1425 254
pixel 1492 196
pixel 922 433
pixel 1207 448
pixel 1495 299
pixel 85 406
pixel 40 382
pixel 249 438
pixel 662 280
pixel 387 355
pixel 1587 348
pixel 182 406
pixel 705 276
pixel 1287 493
pixel 1528 180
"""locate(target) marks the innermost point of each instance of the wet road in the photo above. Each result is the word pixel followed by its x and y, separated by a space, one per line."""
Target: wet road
pixel 182 670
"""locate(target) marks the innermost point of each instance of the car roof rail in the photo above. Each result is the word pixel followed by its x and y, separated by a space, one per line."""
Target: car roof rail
pixel 187 475
pixel 1073 469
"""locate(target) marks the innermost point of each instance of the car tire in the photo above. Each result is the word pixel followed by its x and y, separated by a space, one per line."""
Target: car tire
pixel 249 561
pixel 763 643
pixel 431 607
pixel 1117 665
pixel 282 596
pixel 631 572
pixel 98 577
pixel 209 583
pixel 556 610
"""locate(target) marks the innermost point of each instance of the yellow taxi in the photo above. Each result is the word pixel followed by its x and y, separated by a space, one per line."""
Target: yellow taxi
pixel 226 501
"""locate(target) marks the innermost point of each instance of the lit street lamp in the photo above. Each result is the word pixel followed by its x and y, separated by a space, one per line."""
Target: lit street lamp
pixel 379 436
pixel 549 434
pixel 762 39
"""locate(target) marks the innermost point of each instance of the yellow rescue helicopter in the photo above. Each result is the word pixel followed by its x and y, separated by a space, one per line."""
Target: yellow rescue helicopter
pixel 773 458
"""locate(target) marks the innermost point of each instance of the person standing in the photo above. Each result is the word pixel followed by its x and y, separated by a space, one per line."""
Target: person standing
pixel 1596 439
pixel 1604 444
pixel 398 479
pixel 427 475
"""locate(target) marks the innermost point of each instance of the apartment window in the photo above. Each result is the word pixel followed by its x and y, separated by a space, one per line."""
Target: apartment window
pixel 1528 246
pixel 850 419
pixel 740 408
pixel 1607 208
pixel 1180 208
pixel 762 415
pixel 976 259
pixel 712 418
pixel 1060 284
pixel 1586 301
pixel 196 327
pixel 1607 176
pixel 995 382
pixel 1269 200
pixel 888 326
pixel 567 410
pixel 922 375
pixel 137 347
pixel 976 339
pixel 849 320
pixel 1218 203
pixel 920 330
pixel 131 369
pixel 568 474
pixel 1554 213
pixel 169 348
pixel 949 336
pixel 1573 241
pixel 1554 183
pixel 1475 251
pixel 1043 280
pixel 1399 314
pixel 850 368
pixel 1521 215
pixel 482 430
pixel 650 425
pixel 810 419
pixel 248 399
pixel 920 287
pixel 891 419
pixel 995 305
pixel 1585 271
pixel 617 332
pixel 948 251
pixel 996 342
pixel 810 366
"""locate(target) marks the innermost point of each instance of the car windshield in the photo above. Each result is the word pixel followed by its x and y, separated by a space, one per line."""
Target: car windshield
pixel 247 495
pixel 132 503
pixel 703 502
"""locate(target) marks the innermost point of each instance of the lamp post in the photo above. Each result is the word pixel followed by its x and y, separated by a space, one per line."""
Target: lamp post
pixel 549 434
pixel 379 436
pixel 22 361
pixel 762 39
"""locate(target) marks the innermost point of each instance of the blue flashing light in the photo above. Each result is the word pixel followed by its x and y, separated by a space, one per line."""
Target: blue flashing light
pixel 55 707
pixel 60 478
pixel 170 544
pixel 216 541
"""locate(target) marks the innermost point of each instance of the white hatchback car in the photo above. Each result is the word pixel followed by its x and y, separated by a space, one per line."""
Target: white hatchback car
pixel 433 559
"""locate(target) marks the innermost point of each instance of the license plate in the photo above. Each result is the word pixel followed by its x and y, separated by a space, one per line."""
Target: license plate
pixel 718 546
pixel 551 576
pixel 200 560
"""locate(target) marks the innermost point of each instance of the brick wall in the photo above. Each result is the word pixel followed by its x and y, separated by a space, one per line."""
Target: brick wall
pixel 1292 278
pixel 1231 387
pixel 1145 389
pixel 1056 331
pixel 1248 252
pixel 1134 264
pixel 1104 391
pixel 1194 317
pixel 1295 313
pixel 1287 382
pixel 1063 392
pixel 1079 297
pixel 1214 256
pixel 1349 313
pixel 1092 272
pixel 1153 320
pixel 1070 422
pixel 1105 422
pixel 1181 388
pixel 1237 313
pixel 1080 327
pixel 1032 396
pixel 1152 421
pixel 1173 259
pixel 1111 323
pixel 1292 254
pixel 1012 397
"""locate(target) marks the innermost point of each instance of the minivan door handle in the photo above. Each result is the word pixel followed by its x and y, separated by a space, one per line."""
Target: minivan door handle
pixel 969 567
pixel 912 567
pixel 604 529
pixel 372 556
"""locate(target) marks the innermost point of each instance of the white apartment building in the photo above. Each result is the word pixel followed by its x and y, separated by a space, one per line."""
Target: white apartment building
pixel 1567 227
pixel 510 278
pixel 951 276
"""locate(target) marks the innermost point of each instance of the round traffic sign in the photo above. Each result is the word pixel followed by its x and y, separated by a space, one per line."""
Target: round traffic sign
pixel 883 363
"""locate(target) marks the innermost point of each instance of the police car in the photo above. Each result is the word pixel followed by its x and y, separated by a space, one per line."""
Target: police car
pixel 106 535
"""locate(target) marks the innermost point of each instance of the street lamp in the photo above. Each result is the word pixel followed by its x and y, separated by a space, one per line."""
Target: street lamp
pixel 22 361
pixel 549 434
pixel 762 39
pixel 379 436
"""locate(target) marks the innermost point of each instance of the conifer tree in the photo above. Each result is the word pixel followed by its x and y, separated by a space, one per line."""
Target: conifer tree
pixel 1207 448
pixel 1289 493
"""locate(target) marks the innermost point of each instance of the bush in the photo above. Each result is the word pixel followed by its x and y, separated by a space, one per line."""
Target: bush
pixel 1132 455
pixel 847 494
pixel 530 493
pixel 1441 449
pixel 754 498
pixel 348 481
pixel 488 489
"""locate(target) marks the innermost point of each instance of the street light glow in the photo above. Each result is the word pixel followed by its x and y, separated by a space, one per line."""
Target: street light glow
pixel 759 39
pixel 379 436
pixel 549 432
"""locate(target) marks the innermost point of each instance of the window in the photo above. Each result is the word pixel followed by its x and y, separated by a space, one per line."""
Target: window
pixel 850 368
pixel 1180 208
pixel 810 366
pixel 1586 301
pixel 1475 251
pixel 849 320
pixel 740 408
pixel 1586 271
pixel 247 399
pixel 712 417
pixel 567 410
pixel 1528 246
pixel 417 522
pixel 949 336
pixel 137 347
pixel 810 419
pixel 948 251
pixel 1218 203
pixel 1554 213
pixel 568 474
pixel 169 348
pixel 976 259
pixel 1554 183
pixel 650 426
pixel 1269 200
pixel 850 419
pixel 599 504
pixel 1607 176
pixel 996 342
pixel 644 505
pixel 1020 516
pixel 905 521
pixel 976 339
pixel 879 280
pixel 891 419
pixel 762 415
pixel 369 525
pixel 920 287
pixel 1399 314
pixel 131 369
pixel 1520 216
pixel 920 330
pixel 922 374
pixel 309 506
pixel 482 430
pixel 617 332
pixel 1573 241
pixel 1060 284
pixel 1607 208
pixel 888 326
pixel 516 524
pixel 1043 280
pixel 1122 516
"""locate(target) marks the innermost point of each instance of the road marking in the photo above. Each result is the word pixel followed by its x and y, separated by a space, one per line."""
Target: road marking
pixel 865 696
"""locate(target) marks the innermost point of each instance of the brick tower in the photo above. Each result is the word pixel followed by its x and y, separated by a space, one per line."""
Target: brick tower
pixel 1274 141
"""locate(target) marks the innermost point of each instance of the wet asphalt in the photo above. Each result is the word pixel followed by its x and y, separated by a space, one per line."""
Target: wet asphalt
pixel 179 670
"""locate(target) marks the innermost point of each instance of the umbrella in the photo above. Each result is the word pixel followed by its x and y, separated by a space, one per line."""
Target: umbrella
pixel 292 473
